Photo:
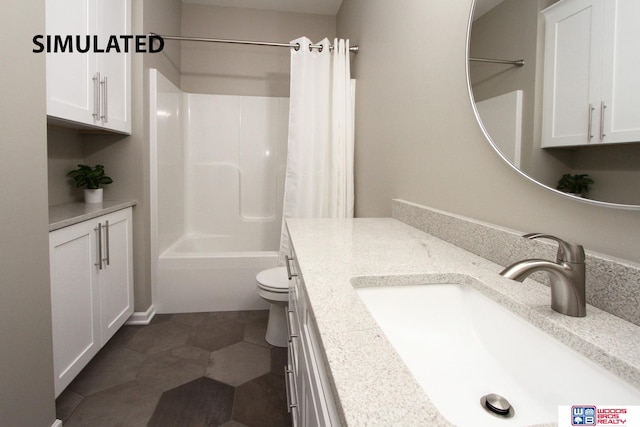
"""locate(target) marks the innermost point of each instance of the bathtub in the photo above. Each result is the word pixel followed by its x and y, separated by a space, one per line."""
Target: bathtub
pixel 211 273
pixel 217 170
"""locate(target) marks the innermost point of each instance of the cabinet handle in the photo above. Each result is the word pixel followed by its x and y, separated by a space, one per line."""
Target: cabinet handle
pixel 289 267
pixel 96 96
pixel 289 328
pixel 293 354
pixel 105 101
pixel 294 418
pixel 602 107
pixel 288 373
pixel 99 231
pixel 590 123
pixel 106 246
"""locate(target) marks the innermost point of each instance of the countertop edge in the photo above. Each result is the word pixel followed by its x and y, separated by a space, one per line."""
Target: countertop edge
pixel 67 214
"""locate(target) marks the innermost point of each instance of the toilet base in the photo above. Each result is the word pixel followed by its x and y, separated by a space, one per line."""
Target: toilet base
pixel 277 327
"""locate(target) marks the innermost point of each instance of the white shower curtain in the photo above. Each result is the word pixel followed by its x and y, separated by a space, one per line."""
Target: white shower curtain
pixel 319 175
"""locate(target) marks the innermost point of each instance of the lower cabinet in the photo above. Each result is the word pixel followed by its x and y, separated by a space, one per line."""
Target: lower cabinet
pixel 91 289
pixel 308 391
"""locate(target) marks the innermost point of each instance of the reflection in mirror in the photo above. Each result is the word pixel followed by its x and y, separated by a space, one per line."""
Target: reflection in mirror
pixel 523 112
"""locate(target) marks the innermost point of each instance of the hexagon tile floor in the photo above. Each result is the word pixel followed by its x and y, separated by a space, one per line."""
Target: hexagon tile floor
pixel 186 370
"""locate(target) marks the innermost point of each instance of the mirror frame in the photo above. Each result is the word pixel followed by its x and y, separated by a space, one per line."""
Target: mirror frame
pixel 497 150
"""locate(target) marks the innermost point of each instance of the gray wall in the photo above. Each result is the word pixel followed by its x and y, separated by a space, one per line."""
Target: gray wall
pixel 26 367
pixel 164 17
pixel 243 70
pixel 417 138
pixel 65 151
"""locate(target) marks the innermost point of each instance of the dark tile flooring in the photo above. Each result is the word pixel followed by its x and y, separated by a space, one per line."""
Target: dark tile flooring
pixel 195 369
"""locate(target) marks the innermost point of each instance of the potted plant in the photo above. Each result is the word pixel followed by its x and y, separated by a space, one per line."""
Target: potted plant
pixel 91 178
pixel 577 185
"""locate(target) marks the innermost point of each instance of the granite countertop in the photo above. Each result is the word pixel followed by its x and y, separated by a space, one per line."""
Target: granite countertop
pixel 67 214
pixel 370 383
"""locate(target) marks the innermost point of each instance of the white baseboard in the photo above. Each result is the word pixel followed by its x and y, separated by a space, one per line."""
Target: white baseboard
pixel 142 318
pixel 57 423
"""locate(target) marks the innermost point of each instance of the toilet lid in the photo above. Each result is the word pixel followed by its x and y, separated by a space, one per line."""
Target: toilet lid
pixel 274 279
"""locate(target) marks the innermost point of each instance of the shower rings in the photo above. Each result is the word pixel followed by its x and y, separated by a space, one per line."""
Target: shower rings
pixel 311 47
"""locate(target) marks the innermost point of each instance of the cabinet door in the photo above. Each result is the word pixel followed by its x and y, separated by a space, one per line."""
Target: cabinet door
pixel 572 73
pixel 71 90
pixel 309 411
pixel 90 88
pixel 316 412
pixel 74 301
pixel 114 18
pixel 116 275
pixel 620 64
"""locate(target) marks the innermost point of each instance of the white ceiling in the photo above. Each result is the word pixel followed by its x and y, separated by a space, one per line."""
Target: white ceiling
pixel 323 7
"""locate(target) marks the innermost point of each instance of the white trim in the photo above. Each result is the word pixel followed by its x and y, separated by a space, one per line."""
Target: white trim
pixel 142 318
pixel 57 423
pixel 153 179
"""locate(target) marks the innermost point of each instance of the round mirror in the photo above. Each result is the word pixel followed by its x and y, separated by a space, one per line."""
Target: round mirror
pixel 555 91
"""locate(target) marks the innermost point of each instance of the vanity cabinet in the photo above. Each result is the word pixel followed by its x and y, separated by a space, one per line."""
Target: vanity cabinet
pixel 92 89
pixel 308 391
pixel 91 289
pixel 591 88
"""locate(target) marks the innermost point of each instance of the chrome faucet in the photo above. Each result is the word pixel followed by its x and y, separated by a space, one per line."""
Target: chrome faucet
pixel 567 275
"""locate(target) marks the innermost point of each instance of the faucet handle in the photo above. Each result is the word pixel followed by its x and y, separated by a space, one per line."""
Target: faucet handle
pixel 567 252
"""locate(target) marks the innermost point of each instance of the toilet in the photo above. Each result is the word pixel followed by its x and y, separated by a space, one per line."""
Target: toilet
pixel 273 286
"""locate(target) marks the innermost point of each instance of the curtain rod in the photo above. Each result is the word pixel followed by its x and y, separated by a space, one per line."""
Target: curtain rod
pixel 518 62
pixel 296 46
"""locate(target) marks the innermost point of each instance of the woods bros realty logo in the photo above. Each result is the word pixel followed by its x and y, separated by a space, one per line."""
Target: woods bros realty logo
pixel 57 43
pixel 591 415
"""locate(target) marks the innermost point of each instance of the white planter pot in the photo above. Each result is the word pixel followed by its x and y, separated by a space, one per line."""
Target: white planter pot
pixel 93 196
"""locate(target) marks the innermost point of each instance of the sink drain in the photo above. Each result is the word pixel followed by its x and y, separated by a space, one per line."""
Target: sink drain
pixel 497 405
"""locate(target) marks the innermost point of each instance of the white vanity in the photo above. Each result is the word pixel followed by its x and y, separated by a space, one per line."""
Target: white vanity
pixel 309 394
pixel 91 262
pixel 344 370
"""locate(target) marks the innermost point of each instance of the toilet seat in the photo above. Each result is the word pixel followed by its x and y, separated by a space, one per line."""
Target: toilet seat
pixel 274 280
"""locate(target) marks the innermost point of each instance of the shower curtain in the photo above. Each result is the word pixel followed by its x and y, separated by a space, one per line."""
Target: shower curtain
pixel 319 174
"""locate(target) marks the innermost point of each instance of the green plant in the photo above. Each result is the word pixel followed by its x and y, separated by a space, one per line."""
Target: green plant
pixel 91 178
pixel 578 184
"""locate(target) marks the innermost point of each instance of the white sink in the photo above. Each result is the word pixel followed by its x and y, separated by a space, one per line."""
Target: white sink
pixel 460 345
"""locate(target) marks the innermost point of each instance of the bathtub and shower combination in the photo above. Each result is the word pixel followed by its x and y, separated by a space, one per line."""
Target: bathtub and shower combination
pixel 217 182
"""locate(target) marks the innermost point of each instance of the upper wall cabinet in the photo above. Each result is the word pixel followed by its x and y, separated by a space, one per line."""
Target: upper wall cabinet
pixel 591 88
pixel 91 89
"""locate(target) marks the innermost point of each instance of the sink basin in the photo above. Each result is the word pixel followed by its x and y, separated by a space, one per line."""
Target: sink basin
pixel 461 345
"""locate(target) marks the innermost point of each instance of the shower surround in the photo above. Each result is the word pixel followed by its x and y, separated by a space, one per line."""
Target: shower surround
pixel 217 183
